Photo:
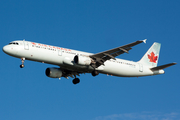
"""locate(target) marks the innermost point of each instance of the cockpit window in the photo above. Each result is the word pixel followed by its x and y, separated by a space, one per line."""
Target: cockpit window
pixel 15 43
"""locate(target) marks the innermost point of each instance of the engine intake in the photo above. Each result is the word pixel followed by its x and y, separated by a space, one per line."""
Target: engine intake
pixel 82 60
pixel 53 72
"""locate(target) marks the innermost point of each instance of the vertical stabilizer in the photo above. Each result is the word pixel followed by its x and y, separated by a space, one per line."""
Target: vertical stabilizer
pixel 152 55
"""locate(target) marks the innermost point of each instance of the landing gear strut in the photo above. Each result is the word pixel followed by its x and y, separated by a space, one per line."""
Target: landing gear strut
pixel 22 60
pixel 76 80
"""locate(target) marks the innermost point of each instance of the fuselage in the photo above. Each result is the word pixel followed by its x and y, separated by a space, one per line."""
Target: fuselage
pixel 64 58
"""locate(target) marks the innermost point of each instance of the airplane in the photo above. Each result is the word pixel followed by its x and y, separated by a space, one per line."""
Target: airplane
pixel 72 63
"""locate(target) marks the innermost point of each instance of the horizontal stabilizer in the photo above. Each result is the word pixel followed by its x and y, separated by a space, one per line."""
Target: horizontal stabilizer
pixel 162 66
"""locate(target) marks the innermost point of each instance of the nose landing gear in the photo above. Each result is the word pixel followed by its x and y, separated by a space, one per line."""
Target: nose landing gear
pixel 21 66
pixel 22 60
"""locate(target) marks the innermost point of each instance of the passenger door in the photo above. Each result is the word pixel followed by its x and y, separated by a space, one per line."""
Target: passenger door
pixel 140 67
pixel 26 45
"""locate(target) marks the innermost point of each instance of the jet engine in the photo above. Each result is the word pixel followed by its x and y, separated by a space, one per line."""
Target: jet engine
pixel 82 60
pixel 53 72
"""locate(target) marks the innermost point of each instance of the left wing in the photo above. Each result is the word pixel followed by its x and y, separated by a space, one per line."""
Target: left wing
pixel 101 57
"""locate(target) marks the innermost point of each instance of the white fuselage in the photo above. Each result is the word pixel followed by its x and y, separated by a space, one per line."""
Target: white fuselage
pixel 64 58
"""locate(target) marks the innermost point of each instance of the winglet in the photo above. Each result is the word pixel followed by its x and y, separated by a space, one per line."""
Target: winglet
pixel 144 40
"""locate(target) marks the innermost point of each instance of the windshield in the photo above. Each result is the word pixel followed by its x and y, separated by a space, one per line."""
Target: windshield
pixel 15 43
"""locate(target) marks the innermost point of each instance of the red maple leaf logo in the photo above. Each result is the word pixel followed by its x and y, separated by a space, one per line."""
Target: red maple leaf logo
pixel 152 57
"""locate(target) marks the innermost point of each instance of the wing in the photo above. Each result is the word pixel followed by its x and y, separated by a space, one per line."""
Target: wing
pixel 101 57
pixel 70 73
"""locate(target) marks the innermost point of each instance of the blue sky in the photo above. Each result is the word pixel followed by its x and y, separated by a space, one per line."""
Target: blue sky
pixel 92 26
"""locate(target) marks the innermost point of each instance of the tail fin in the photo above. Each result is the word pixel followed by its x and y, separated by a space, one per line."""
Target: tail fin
pixel 152 55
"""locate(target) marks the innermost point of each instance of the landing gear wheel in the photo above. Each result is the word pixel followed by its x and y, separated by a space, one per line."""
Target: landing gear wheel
pixel 21 66
pixel 95 72
pixel 76 81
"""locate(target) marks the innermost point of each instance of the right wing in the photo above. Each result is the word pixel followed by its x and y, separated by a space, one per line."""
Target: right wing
pixel 101 57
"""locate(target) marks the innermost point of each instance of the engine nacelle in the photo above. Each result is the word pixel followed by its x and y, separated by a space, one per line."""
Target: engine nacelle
pixel 82 60
pixel 54 72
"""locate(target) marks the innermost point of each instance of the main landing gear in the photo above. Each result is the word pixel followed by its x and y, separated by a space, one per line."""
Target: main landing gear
pixel 95 73
pixel 76 80
pixel 22 60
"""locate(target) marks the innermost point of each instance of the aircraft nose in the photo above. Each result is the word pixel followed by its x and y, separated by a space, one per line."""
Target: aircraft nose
pixel 6 49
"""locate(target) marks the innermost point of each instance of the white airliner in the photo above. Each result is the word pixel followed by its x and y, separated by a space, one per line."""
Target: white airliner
pixel 72 62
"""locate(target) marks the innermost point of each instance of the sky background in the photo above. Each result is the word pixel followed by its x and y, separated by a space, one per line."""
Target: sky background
pixel 92 26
